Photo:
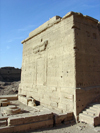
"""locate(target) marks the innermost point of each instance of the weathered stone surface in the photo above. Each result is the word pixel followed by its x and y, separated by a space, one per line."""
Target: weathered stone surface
pixel 4 102
pixel 11 110
pixel 40 117
pixel 61 63
pixel 26 118
pixel 9 97
pixel 15 121
pixel 91 115
pixel 63 118
pixel 3 121
pixel 26 127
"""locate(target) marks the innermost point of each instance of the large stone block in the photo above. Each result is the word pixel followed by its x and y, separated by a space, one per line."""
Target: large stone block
pixel 15 121
pixel 63 118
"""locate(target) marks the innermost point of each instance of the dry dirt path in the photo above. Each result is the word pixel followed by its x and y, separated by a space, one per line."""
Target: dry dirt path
pixel 76 128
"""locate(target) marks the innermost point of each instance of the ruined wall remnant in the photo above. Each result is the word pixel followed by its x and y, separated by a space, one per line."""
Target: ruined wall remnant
pixel 61 63
pixel 10 74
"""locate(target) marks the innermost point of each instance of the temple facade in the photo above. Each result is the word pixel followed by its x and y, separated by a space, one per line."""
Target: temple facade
pixel 61 63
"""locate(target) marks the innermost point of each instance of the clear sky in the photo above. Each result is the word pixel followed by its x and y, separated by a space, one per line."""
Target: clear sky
pixel 19 17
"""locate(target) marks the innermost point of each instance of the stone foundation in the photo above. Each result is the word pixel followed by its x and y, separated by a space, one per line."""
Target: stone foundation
pixel 30 118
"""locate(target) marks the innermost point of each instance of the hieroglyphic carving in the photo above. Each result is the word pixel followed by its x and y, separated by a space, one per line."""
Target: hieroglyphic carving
pixel 41 47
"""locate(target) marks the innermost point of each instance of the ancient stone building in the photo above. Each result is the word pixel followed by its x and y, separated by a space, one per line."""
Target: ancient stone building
pixel 61 63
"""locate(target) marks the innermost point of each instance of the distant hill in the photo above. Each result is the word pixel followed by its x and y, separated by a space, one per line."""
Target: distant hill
pixel 10 74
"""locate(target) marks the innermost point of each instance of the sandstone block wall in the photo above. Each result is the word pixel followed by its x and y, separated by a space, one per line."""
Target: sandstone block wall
pixel 48 67
pixel 87 39
pixel 61 62
pixel 87 49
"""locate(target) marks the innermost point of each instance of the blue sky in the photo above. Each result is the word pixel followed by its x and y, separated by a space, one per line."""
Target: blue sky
pixel 19 17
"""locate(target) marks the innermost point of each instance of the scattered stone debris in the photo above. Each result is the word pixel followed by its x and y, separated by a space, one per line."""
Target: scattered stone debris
pixel 8 88
pixel 97 129
pixel 81 127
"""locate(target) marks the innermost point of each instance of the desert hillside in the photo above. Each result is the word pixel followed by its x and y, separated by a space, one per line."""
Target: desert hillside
pixel 8 88
pixel 9 80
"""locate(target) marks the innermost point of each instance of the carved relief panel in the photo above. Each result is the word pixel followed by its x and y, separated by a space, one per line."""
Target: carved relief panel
pixel 40 68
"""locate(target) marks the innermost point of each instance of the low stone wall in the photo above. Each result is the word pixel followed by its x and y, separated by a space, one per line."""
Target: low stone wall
pixel 30 118
pixel 33 122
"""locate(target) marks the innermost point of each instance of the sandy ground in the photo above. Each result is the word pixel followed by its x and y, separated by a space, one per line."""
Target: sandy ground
pixel 8 88
pixel 76 128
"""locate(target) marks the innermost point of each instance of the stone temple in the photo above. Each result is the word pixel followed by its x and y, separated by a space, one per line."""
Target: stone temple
pixel 61 64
